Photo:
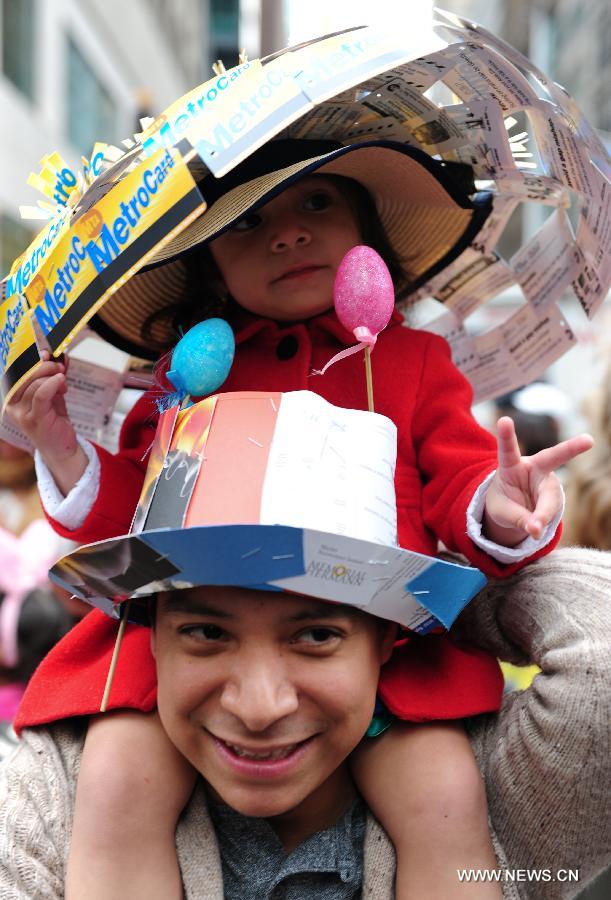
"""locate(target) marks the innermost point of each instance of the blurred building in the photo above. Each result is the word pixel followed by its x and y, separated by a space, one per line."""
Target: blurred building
pixel 224 30
pixel 568 39
pixel 273 25
pixel 76 71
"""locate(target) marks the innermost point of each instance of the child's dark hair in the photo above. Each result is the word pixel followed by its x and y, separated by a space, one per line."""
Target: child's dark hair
pixel 206 296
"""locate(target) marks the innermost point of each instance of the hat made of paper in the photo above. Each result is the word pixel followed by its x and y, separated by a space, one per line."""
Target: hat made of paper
pixel 272 492
pixel 457 94
pixel 428 208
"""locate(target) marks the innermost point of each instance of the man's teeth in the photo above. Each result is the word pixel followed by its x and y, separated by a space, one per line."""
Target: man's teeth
pixel 281 753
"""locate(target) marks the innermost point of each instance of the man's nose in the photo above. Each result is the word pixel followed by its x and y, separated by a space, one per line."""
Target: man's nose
pixel 289 234
pixel 259 694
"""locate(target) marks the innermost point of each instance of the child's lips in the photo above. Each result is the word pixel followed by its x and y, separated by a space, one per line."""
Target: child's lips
pixel 298 272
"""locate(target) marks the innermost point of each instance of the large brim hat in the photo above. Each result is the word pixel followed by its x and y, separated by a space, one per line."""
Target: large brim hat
pixel 231 498
pixel 460 96
pixel 428 208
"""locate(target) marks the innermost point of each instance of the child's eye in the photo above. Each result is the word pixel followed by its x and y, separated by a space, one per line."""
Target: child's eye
pixel 250 221
pixel 317 201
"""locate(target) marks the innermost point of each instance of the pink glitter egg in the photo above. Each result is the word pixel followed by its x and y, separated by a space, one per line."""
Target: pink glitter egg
pixel 363 292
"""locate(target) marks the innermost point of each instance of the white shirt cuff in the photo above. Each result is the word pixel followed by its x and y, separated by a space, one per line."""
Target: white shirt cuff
pixel 475 515
pixel 72 510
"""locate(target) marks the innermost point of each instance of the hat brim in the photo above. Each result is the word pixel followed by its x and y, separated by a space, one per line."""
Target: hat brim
pixel 427 215
pixel 271 557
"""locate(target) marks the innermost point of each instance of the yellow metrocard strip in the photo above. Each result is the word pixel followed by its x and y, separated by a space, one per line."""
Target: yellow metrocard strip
pixel 169 128
pixel 111 242
pixel 18 352
pixel 33 258
pixel 39 183
pixel 264 101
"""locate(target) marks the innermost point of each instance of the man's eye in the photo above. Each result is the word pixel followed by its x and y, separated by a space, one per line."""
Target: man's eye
pixel 317 201
pixel 207 632
pixel 318 636
pixel 250 221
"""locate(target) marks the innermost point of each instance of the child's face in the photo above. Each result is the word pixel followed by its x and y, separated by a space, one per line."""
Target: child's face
pixel 280 261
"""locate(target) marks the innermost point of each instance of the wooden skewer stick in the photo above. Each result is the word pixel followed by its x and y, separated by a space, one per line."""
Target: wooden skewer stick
pixel 115 656
pixel 369 378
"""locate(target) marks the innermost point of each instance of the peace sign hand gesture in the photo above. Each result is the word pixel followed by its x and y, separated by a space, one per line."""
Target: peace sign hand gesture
pixel 525 495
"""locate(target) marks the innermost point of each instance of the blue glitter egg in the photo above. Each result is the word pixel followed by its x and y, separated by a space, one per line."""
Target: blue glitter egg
pixel 202 359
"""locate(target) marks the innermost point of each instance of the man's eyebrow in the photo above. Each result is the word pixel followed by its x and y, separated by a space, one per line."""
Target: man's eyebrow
pixel 323 611
pixel 181 602
pixel 177 604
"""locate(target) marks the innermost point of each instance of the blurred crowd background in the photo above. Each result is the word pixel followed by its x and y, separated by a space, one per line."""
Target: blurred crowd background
pixel 76 71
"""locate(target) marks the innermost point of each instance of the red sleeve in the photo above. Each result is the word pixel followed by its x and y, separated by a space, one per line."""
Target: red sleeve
pixel 455 454
pixel 71 678
pixel 121 478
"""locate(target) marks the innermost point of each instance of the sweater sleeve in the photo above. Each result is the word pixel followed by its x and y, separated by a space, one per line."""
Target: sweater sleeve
pixel 36 797
pixel 455 455
pixel 546 756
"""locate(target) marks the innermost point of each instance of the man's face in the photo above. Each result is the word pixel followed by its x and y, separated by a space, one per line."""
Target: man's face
pixel 265 693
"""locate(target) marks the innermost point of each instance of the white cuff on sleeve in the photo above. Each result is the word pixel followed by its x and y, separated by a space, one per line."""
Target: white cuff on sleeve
pixel 72 510
pixel 475 515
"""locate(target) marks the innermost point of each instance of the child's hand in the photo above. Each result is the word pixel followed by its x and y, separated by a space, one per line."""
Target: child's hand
pixel 38 409
pixel 525 494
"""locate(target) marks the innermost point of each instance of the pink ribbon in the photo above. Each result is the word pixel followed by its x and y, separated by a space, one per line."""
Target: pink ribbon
pixel 365 339
pixel 24 565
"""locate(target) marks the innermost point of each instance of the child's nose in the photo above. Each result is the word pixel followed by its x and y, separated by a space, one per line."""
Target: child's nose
pixel 290 235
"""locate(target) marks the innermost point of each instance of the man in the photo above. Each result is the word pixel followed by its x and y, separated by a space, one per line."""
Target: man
pixel 545 757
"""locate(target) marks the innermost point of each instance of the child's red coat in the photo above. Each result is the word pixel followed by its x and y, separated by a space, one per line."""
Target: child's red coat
pixel 443 455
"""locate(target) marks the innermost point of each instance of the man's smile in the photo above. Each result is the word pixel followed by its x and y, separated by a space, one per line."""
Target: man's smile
pixel 270 761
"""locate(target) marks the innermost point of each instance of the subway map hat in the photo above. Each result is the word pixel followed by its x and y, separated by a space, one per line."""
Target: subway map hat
pixel 238 492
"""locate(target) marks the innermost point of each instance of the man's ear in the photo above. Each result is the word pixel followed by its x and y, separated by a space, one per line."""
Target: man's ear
pixel 389 636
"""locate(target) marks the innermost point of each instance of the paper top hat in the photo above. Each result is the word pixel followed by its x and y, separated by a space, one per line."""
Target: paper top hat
pixel 272 491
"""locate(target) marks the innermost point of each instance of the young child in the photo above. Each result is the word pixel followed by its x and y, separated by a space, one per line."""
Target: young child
pixel 269 268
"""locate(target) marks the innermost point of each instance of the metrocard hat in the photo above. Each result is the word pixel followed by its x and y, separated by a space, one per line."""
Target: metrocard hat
pixel 429 209
pixel 238 493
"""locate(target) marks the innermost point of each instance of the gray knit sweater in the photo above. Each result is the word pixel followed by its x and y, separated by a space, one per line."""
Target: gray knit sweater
pixel 545 757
